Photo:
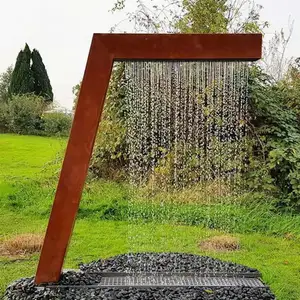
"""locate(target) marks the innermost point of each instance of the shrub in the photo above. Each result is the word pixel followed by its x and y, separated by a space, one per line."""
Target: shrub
pixel 109 156
pixel 275 158
pixel 23 114
pixel 56 124
pixel 110 152
pixel 269 160
pixel 4 119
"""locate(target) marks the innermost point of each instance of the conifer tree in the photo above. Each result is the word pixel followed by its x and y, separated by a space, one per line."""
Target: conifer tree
pixel 22 81
pixel 15 80
pixel 42 85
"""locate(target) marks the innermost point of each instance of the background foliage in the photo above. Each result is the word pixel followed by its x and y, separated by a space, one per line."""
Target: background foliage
pixel 30 75
pixel 56 124
pixel 27 114
pixel 5 79
pixel 273 158
pixel 22 114
pixel 272 172
pixel 42 85
pixel 110 151
pixel 26 97
pixel 22 81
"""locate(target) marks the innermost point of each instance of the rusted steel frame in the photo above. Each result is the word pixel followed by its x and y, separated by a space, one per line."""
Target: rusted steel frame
pixel 76 162
pixel 183 46
pixel 105 49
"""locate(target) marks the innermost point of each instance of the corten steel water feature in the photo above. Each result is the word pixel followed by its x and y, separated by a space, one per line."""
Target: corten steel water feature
pixel 105 49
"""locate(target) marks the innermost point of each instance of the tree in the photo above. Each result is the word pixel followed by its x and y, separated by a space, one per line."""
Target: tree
pixel 275 61
pixel 220 16
pixel 196 16
pixel 291 85
pixel 22 81
pixel 76 90
pixel 30 75
pixel 203 16
pixel 5 79
pixel 42 85
pixel 15 78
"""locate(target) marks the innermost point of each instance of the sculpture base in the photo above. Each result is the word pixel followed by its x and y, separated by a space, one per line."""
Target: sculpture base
pixel 150 276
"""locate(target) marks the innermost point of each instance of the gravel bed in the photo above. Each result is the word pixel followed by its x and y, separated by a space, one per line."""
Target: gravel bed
pixel 25 289
pixel 165 262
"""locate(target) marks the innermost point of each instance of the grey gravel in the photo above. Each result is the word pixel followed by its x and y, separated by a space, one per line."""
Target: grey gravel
pixel 165 262
pixel 25 289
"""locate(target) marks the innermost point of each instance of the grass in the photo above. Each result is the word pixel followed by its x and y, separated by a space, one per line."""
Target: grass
pixel 27 156
pixel 22 244
pixel 276 258
pixel 103 200
pixel 267 241
pixel 220 243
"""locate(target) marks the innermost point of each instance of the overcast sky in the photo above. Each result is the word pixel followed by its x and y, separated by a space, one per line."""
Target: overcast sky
pixel 62 29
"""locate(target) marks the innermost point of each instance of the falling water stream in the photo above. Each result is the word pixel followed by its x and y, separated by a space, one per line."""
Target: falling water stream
pixel 186 129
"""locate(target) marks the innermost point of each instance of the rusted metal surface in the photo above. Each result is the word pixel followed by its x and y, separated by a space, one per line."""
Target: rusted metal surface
pixel 104 50
pixel 75 165
pixel 183 46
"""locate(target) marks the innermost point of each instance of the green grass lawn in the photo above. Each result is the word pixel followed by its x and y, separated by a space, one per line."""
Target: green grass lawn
pixel 28 166
pixel 24 157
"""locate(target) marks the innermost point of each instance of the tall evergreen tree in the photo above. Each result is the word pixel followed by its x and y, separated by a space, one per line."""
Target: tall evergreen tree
pixel 42 85
pixel 22 81
pixel 15 80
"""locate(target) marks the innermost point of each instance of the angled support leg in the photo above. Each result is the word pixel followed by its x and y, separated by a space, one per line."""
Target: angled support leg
pixel 76 163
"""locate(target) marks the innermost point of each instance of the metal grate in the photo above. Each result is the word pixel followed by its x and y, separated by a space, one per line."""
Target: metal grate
pixel 178 281
pixel 149 280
